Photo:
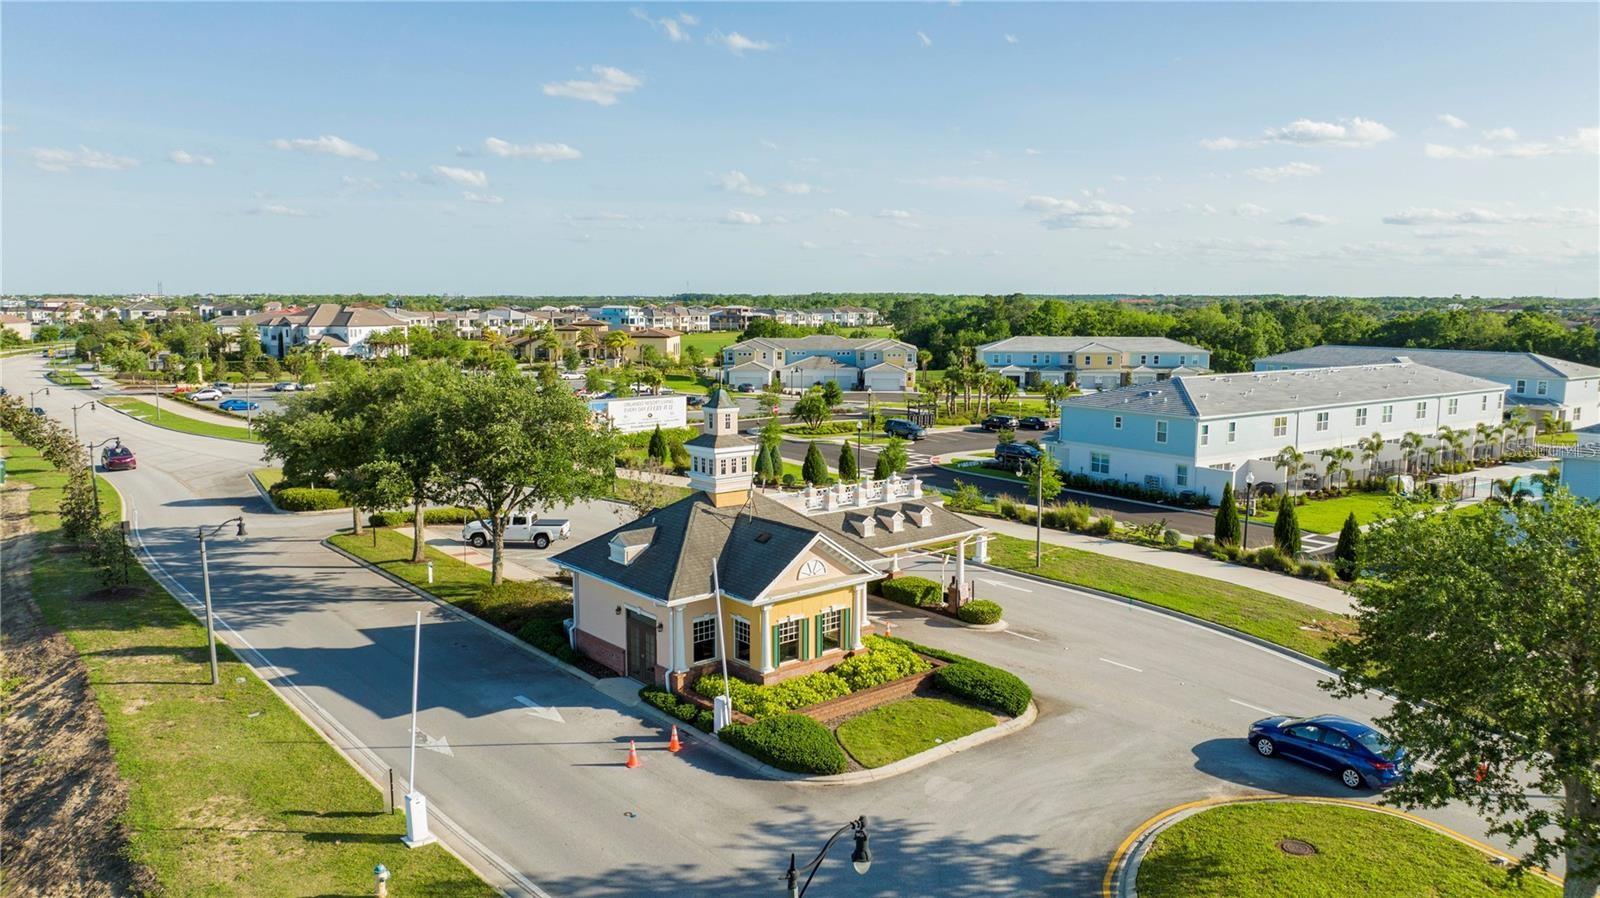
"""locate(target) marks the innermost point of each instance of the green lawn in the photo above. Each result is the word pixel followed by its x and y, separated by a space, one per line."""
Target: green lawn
pixel 1248 610
pixel 711 343
pixel 1233 850
pixel 67 378
pixel 268 476
pixel 1557 439
pixel 231 792
pixel 146 412
pixel 1327 515
pixel 454 580
pixel 684 383
pixel 887 734
pixel 979 470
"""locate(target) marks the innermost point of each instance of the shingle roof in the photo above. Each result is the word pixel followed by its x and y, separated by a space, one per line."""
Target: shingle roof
pixel 1077 344
pixel 817 361
pixel 1263 391
pixel 1473 362
pixel 825 341
pixel 943 525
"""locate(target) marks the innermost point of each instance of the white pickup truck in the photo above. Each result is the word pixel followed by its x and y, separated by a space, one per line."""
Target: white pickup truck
pixel 523 528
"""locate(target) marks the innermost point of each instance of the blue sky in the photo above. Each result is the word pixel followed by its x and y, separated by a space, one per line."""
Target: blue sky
pixel 613 148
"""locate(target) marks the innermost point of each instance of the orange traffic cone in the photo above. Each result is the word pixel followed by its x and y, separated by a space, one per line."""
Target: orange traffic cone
pixel 633 755
pixel 673 744
pixel 1483 771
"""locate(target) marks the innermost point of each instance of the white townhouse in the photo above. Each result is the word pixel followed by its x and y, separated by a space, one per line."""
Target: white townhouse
pixel 872 363
pixel 1198 433
pixel 1093 363
pixel 1540 383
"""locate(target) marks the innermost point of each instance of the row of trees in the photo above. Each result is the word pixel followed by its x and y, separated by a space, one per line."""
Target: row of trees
pixel 432 433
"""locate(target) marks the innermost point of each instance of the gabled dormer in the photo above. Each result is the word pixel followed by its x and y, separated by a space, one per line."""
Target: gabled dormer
pixel 628 545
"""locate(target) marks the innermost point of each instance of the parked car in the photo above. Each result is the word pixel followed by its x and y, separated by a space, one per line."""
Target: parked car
pixel 1000 422
pixel 1033 422
pixel 3 391
pixel 285 386
pixel 694 400
pixel 222 387
pixel 238 405
pixel 206 395
pixel 118 457
pixel 1359 755
pixel 906 430
pixel 38 411
pixel 747 388
pixel 523 528
pixel 1016 456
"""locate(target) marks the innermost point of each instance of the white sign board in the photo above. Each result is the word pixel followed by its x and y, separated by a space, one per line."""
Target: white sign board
pixel 643 412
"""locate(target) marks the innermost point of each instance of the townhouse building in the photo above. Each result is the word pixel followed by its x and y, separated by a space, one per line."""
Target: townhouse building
pixel 1199 432
pixel 1540 383
pixel 1093 363
pixel 325 327
pixel 871 363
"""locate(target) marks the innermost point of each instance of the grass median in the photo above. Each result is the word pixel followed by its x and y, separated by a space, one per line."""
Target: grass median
pixel 1283 621
pixel 182 423
pixel 1239 850
pixel 899 730
pixel 231 792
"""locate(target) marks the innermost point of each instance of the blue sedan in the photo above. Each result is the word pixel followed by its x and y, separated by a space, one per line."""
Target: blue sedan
pixel 238 405
pixel 1358 754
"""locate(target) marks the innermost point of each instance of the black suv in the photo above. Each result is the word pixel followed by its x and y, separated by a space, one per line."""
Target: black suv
pixel 1016 456
pixel 1032 422
pixel 900 427
pixel 999 422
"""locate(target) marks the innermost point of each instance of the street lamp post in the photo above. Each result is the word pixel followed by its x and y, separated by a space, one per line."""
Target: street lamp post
pixel 1249 504
pixel 205 580
pixel 75 408
pixel 34 393
pixel 89 451
pixel 860 858
pixel 859 427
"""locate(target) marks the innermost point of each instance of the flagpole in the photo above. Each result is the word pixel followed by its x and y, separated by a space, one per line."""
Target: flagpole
pixel 722 640
pixel 417 833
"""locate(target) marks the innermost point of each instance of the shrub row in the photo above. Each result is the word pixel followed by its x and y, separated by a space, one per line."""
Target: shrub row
pixel 825 429
pixel 1130 490
pixel 918 591
pixel 549 635
pixel 979 683
pixel 883 661
pixel 1269 557
pixel 512 604
pixel 980 611
pixel 791 742
pixel 306 498
pixel 429 516
pixel 688 712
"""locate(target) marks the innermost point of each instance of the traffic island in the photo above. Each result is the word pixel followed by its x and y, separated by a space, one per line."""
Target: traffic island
pixel 1309 848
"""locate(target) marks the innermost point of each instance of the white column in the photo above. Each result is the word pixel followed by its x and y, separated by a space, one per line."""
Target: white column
pixel 769 650
pixel 961 565
pixel 577 602
pixel 675 627
pixel 860 617
pixel 981 556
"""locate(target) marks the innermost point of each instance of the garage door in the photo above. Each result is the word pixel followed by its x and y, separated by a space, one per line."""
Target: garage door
pixel 886 381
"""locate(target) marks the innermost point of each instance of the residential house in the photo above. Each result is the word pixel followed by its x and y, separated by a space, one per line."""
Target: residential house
pixel 1093 363
pixel 872 363
pixel 778 582
pixel 1199 432
pixel 18 325
pixel 666 343
pixel 587 334
pixel 326 327
pixel 1540 383
pixel 1580 470
pixel 143 311
pixel 621 318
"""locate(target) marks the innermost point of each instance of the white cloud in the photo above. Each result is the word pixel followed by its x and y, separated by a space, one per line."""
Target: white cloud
pixel 1092 215
pixel 767 144
pixel 486 198
pixel 809 244
pixel 544 152
pixel 896 214
pixel 1012 39
pixel 1307 220
pixel 1250 210
pixel 354 184
pixel 1203 209
pixel 1030 151
pixel 184 157
pixel 278 209
pixel 738 44
pixel 609 84
pixel 739 182
pixel 1353 132
pixel 796 188
pixel 1560 217
pixel 1273 174
pixel 58 160
pixel 466 177
pixel 836 212
pixel 672 27
pixel 738 217
pixel 923 37
pixel 1583 141
pixel 1451 120
pixel 327 143
pixel 972 182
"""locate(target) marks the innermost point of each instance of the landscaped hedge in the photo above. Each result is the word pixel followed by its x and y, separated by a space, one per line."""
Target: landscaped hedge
pixel 775 698
pixel 979 611
pixel 918 591
pixel 512 604
pixel 884 662
pixel 825 429
pixel 549 635
pixel 791 742
pixel 688 712
pixel 429 516
pixel 307 498
pixel 985 685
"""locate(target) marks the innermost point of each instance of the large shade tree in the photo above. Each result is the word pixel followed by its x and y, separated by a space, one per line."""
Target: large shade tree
pixel 1486 631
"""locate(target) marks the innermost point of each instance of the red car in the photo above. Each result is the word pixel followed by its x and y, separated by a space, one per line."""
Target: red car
pixel 118 458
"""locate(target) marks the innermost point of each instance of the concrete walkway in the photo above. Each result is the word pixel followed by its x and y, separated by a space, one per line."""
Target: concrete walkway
pixel 1300 590
pixel 448 541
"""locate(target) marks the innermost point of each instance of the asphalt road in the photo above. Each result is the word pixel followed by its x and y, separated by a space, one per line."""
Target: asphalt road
pixel 1139 711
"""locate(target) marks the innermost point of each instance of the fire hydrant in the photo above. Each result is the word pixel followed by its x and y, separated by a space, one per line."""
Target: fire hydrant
pixel 380 874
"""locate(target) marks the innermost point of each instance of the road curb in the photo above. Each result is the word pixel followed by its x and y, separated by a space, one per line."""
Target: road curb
pixel 176 430
pixel 924 758
pixel 995 627
pixel 1122 873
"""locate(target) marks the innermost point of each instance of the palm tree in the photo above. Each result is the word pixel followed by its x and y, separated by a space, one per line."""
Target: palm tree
pixel 550 344
pixel 1518 422
pixel 1485 433
pixel 618 342
pixel 1455 439
pixel 1334 461
pixel 1371 447
pixel 1411 448
pixel 1004 388
pixel 1509 492
pixel 1292 462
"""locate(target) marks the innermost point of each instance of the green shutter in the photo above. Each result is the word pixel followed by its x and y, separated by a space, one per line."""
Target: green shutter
pixel 847 639
pixel 772 647
pixel 817 639
pixel 805 634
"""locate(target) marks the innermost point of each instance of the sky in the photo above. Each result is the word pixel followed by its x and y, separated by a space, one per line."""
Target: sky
pixel 609 148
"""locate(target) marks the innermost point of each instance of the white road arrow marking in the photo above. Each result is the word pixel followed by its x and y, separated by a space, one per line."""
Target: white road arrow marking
pixel 537 710
pixel 1120 664
pixel 440 745
pixel 1003 585
pixel 1021 636
pixel 1267 711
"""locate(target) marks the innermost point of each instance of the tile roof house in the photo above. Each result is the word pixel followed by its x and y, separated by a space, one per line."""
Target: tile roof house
pixel 335 329
pixel 1093 363
pixel 778 582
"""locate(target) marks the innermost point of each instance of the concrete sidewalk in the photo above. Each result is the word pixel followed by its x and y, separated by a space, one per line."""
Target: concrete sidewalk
pixel 448 541
pixel 1294 588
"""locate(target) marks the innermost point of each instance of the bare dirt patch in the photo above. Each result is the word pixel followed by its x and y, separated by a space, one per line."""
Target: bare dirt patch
pixel 62 797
